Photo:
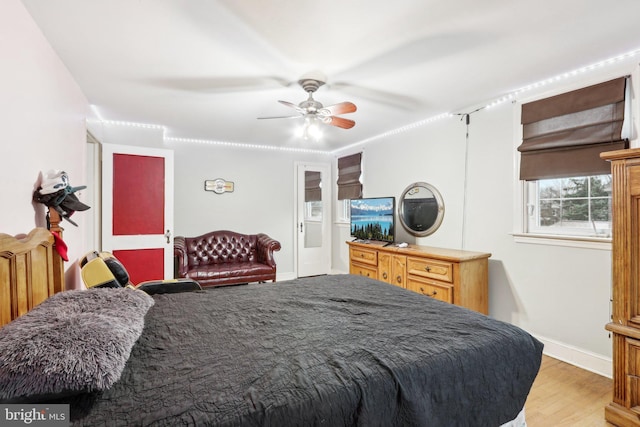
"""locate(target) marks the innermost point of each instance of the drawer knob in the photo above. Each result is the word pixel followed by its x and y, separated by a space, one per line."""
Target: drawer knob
pixel 384 275
pixel 399 279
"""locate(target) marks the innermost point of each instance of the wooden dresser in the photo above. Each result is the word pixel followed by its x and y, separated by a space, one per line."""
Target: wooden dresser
pixel 455 276
pixel 624 410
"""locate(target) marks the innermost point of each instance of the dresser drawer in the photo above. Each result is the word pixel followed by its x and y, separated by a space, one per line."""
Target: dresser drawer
pixel 437 290
pixel 365 256
pixel 363 270
pixel 430 268
pixel 451 275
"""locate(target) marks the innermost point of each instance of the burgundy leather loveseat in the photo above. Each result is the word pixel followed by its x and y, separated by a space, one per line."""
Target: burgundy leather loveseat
pixel 225 258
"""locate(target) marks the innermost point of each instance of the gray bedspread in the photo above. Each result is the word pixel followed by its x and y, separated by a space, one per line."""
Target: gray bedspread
pixel 324 351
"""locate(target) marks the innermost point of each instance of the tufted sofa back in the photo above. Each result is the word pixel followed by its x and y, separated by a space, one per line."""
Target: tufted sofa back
pixel 220 247
pixel 223 257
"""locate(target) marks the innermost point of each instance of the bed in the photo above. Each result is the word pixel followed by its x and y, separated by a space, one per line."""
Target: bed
pixel 335 350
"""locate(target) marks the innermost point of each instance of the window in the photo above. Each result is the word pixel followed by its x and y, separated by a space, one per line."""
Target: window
pixel 577 206
pixel 567 189
pixel 349 172
pixel 312 195
pixel 345 211
pixel 313 211
pixel 349 183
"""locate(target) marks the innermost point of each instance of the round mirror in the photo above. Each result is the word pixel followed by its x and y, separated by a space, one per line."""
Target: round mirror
pixel 421 209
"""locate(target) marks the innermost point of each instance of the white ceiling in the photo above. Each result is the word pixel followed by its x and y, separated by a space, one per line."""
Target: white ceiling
pixel 206 69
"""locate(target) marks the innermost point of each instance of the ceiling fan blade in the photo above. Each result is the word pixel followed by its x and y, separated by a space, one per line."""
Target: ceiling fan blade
pixel 280 117
pixel 294 106
pixel 339 122
pixel 340 108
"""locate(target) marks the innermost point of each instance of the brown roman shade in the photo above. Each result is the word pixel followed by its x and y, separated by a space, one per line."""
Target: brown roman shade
pixel 312 189
pixel 349 170
pixel 564 135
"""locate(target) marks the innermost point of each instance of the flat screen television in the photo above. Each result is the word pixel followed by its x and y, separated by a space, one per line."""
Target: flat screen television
pixel 373 219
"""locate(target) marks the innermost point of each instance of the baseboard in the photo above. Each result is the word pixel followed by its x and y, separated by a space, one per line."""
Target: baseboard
pixel 285 276
pixel 291 275
pixel 578 357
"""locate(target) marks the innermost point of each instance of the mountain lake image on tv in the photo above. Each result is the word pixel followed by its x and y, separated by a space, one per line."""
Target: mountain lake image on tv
pixel 373 218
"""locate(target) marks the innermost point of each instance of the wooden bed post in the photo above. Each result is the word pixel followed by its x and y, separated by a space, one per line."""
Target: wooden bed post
pixel 54 222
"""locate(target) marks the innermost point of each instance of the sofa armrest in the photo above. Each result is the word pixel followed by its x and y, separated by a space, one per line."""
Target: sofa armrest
pixel 265 246
pixel 180 253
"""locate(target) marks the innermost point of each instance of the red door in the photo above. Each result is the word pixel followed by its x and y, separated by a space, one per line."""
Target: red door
pixel 137 211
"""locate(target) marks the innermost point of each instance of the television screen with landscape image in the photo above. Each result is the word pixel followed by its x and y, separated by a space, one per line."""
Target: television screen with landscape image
pixel 373 218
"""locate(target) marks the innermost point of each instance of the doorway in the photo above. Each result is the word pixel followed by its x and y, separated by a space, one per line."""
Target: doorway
pixel 313 219
pixel 137 209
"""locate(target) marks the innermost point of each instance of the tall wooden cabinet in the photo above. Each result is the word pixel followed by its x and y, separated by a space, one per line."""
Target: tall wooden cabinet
pixel 450 275
pixel 624 410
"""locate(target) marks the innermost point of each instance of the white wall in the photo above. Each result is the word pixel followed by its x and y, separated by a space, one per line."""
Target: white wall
pixel 262 200
pixel 433 154
pixel 560 294
pixel 42 117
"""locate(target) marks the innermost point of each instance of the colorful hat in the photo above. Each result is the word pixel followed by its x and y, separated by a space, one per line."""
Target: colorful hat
pixel 57 192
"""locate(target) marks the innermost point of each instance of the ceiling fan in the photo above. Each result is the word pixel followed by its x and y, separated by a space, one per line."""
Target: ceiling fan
pixel 314 112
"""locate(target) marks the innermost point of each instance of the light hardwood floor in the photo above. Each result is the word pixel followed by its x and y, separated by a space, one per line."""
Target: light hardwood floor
pixel 564 395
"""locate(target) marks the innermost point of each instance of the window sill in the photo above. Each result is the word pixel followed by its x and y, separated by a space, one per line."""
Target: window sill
pixel 569 241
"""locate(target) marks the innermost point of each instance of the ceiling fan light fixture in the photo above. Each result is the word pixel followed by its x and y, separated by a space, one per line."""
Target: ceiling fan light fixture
pixel 310 130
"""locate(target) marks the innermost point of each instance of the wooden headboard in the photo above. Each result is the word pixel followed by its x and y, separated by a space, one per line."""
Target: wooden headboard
pixel 31 270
